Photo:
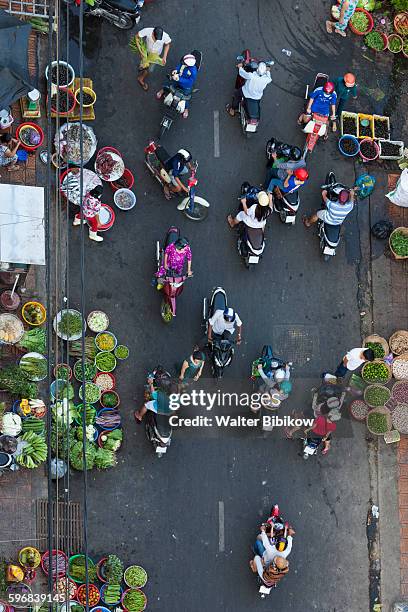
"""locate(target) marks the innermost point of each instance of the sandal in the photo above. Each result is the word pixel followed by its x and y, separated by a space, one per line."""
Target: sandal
pixel 252 565
pixel 229 221
pixel 159 95
pixel 138 419
pixel 144 86
pixel 185 114
pixel 325 451
pixel 167 192
pixel 305 221
pixel 329 27
pixel 229 108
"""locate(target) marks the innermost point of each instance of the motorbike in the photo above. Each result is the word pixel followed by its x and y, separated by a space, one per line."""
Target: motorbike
pixel 175 98
pixel 172 284
pixel 249 110
pixel 310 446
pixel 157 426
pixel 270 363
pixel 318 124
pixel 286 205
pixel 124 14
pixel 193 206
pixel 221 349
pixel 251 240
pixel 329 235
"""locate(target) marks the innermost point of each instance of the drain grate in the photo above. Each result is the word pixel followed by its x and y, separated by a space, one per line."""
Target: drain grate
pixel 296 343
pixel 67 526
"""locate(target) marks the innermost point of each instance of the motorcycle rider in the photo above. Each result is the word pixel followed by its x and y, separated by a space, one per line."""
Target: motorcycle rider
pixel 253 88
pixel 184 76
pixel 176 166
pixel 272 573
pixel 290 183
pixel 222 325
pixel 256 205
pixel 265 544
pixel 276 382
pixel 281 160
pixel 175 256
pixel 159 390
pixel 321 101
pixel 336 208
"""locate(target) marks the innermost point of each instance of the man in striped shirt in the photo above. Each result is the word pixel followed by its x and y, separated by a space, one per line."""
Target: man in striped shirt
pixel 334 212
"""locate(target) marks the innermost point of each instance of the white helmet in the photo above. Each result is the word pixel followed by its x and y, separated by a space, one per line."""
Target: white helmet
pixel 189 60
pixel 184 153
pixel 279 375
pixel 261 70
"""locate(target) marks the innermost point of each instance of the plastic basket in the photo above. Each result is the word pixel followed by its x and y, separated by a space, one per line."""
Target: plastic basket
pixel 394 142
pixel 355 141
pixel 370 118
pixel 401 230
pixel 385 120
pixel 343 116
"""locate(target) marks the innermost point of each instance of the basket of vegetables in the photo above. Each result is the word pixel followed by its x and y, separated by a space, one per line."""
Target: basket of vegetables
pixel 401 23
pixel 106 341
pixel 399 392
pixel 92 393
pixel 111 594
pixel 359 410
pixel 61 389
pixel 400 418
pixel 376 40
pixel 29 557
pixel 65 588
pixel 398 242
pixel 76 569
pixel 376 395
pixel 59 563
pixel 400 367
pixel 121 352
pixel 110 440
pixel 134 600
pixel 33 451
pixel 376 372
pixel 98 321
pixel 105 361
pixel 105 381
pixel 62 371
pixel 34 313
pixel 90 414
pixel 30 136
pixel 135 576
pixel 68 324
pixel 378 345
pixel 395 43
pixel 93 595
pixel 35 366
pixel 110 399
pixel 379 421
pixel 361 22
pixel 88 369
pixel 399 342
pixel 108 419
pixel 17 593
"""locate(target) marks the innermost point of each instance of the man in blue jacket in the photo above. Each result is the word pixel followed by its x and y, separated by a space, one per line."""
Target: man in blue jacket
pixel 184 77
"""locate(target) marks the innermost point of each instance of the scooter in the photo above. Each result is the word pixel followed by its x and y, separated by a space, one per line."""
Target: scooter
pixel 172 284
pixel 310 446
pixel 329 235
pixel 318 124
pixel 251 240
pixel 124 14
pixel 175 98
pixel 157 426
pixel 249 110
pixel 270 364
pixel 221 349
pixel 193 206
pixel 286 205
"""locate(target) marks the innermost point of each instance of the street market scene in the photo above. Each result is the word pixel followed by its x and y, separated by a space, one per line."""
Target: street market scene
pixel 203 305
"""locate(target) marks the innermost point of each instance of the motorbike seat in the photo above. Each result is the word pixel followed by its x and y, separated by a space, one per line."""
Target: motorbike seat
pixel 127 6
pixel 163 425
pixel 332 232
pixel 162 154
pixel 253 108
pixel 255 236
pixel 219 303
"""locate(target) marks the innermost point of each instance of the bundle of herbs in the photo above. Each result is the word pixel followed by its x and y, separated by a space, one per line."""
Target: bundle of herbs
pixel 14 380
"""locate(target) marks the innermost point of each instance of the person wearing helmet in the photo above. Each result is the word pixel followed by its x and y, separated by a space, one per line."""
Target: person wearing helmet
pixel 276 382
pixel 322 101
pixel 176 166
pixel 287 180
pixel 256 208
pixel 176 255
pixel 184 76
pixel 336 208
pixel 253 88
pixel 153 45
pixel 345 88
pixel 347 9
pixel 222 325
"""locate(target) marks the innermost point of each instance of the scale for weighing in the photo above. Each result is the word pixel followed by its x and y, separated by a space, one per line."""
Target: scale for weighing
pixel 6 118
pixel 30 105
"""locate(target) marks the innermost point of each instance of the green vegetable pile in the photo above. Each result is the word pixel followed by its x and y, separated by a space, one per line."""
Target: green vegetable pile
pixel 34 452
pixel 76 457
pixel 399 243
pixel 36 368
pixel 77 570
pixel 14 380
pixel 34 340
pixel 105 459
pixel 134 600
pixel 377 422
pixel 61 441
pixel 75 348
pixel 376 395
pixel 92 393
pixel 112 593
pixel 360 21
pixel 112 440
pixel 136 576
pixel 110 399
pixel 105 361
pixel 89 368
pixel 375 372
pixel 76 607
pixel 33 424
pixel 64 389
pixel 90 413
pixel 113 570
pixel 121 351
pixel 62 372
pixel 377 349
pixel 70 324
pixel 375 41
pixel 395 44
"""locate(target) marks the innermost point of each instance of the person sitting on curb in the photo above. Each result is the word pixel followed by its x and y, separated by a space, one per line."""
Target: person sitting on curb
pixel 8 152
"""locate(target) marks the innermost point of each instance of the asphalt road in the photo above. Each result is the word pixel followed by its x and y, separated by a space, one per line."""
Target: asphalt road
pixel 191 518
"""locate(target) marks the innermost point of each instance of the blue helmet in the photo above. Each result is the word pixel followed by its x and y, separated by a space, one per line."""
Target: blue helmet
pixel 229 315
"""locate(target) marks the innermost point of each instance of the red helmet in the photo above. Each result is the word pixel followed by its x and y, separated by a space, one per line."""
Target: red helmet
pixel 301 174
pixel 328 87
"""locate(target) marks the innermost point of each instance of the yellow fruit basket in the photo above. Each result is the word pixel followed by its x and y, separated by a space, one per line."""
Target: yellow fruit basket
pixel 34 313
pixel 29 557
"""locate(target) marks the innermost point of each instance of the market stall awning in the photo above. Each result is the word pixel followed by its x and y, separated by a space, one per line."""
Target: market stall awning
pixel 14 44
pixel 22 235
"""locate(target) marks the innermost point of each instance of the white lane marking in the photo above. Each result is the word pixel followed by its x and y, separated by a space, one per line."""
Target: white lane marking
pixel 221 527
pixel 216 133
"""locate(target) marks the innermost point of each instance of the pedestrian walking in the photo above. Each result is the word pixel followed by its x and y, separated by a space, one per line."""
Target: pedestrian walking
pixel 345 88
pixel 353 360
pixel 322 429
pixel 8 152
pixel 91 207
pixel 153 45
pixel 347 10
pixel 192 367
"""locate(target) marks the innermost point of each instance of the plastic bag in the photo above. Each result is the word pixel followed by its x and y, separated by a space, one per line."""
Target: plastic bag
pixel 58 468
pixel 382 229
pixel 399 195
pixel 400 607
pixel 366 184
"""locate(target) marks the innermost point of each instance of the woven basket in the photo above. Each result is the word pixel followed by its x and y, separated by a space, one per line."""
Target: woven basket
pixel 401 230
pixel 400 333
pixel 403 357
pixel 382 382
pixel 370 387
pixel 375 338
pixel 359 419
pixel 384 411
